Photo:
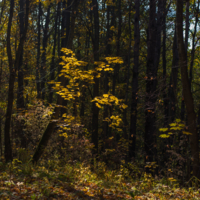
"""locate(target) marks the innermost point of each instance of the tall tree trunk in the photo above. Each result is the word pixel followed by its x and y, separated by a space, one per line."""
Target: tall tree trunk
pixel 125 121
pixel 52 67
pixel 193 43
pixel 187 25
pixel 38 52
pixel 82 98
pixel 20 92
pixel 151 76
pixel 43 58
pixel 173 81
pixel 13 66
pixel 133 119
pixel 106 87
pixel 189 102
pixel 95 109
pixel 166 102
pixel 8 147
pixel 116 69
pixel 1 117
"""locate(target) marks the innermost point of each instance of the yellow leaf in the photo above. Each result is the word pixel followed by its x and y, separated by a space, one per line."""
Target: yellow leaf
pixel 187 133
pixel 98 105
pixel 164 136
pixel 163 129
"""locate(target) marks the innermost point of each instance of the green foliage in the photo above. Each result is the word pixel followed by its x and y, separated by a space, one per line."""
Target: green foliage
pixel 77 182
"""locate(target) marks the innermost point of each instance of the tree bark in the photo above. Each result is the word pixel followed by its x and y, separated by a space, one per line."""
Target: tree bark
pixel 95 109
pixel 52 67
pixel 43 58
pixel 13 66
pixel 173 81
pixel 20 92
pixel 193 43
pixel 133 118
pixel 151 76
pixel 189 102
pixel 38 52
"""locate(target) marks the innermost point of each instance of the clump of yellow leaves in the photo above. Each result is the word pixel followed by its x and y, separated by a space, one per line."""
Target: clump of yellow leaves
pixel 72 71
pixel 110 100
pixel 176 126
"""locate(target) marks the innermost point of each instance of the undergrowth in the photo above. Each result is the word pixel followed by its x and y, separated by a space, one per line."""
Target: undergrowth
pixel 53 179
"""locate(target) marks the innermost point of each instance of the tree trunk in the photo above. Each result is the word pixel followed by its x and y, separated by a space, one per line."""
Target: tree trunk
pixel 150 132
pixel 82 98
pixel 125 121
pixel 116 69
pixel 173 81
pixel 20 92
pixel 133 119
pixel 38 53
pixel 193 43
pixel 13 66
pixel 166 102
pixel 52 67
pixel 189 102
pixel 95 109
pixel 43 58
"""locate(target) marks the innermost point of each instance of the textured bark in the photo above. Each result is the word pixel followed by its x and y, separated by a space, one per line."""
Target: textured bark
pixel 20 92
pixel 125 121
pixel 133 119
pixel 193 43
pixel 38 52
pixel 82 98
pixel 116 69
pixel 189 102
pixel 43 58
pixel 173 81
pixel 166 102
pixel 13 66
pixel 187 25
pixel 8 147
pixel 52 67
pixel 95 109
pixel 151 76
pixel 106 87
pixel 1 145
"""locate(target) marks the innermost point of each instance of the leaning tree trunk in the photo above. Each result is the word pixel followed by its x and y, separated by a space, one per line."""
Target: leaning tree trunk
pixel 187 94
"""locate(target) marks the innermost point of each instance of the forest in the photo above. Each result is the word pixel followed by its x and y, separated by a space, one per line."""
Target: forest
pixel 99 99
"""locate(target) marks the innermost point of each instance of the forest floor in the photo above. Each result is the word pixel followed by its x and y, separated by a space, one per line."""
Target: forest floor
pixel 49 181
